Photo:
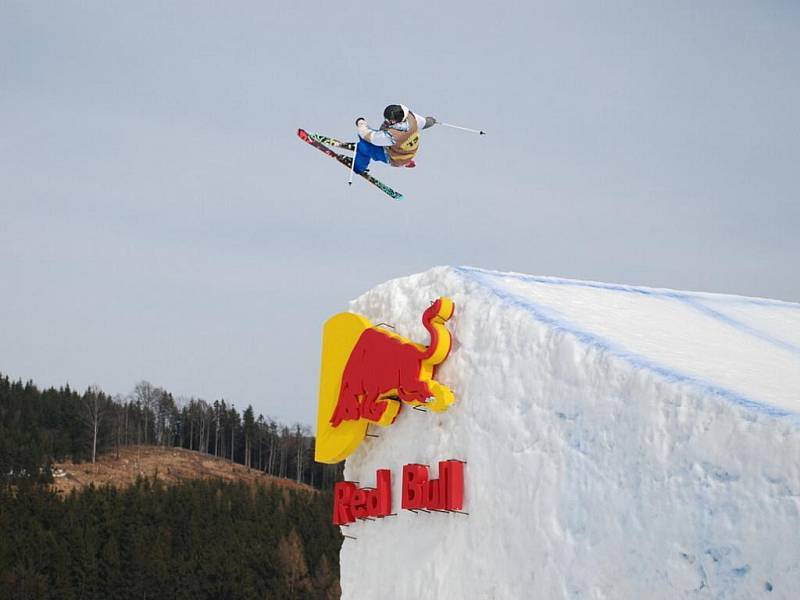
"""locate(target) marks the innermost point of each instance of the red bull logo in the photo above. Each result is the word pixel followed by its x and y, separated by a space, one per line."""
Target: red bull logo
pixel 368 372
pixel 446 493
pixel 419 492
pixel 351 502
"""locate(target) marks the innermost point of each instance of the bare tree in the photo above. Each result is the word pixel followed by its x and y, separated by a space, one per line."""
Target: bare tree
pixel 249 426
pixel 180 413
pixel 272 429
pixel 217 428
pixel 286 435
pixel 292 557
pixel 233 417
pixel 300 434
pixel 94 405
pixel 166 418
pixel 120 416
pixel 147 395
pixel 205 424
pixel 260 425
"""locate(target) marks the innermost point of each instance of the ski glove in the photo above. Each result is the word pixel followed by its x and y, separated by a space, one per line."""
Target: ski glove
pixel 429 122
pixel 363 131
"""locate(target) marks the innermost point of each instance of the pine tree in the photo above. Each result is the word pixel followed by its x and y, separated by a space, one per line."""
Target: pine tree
pixel 249 434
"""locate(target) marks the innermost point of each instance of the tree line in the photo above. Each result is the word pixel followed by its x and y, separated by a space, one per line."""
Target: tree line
pixel 40 427
pixel 195 539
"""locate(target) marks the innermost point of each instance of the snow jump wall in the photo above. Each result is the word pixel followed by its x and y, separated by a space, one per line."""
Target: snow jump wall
pixel 619 442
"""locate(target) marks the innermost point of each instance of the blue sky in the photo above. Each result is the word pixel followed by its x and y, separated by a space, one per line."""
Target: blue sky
pixel 159 219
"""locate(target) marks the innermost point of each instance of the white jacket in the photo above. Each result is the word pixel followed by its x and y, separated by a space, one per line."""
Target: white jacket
pixel 383 137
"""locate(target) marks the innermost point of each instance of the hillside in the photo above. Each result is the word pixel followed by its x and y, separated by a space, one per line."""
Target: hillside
pixel 168 465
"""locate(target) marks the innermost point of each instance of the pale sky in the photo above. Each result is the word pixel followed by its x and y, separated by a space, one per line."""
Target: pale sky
pixel 160 220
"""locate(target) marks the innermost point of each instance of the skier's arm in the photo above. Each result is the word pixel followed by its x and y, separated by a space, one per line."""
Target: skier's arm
pixel 379 138
pixel 425 122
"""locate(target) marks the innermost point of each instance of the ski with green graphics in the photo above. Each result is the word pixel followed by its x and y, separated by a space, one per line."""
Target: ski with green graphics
pixel 329 141
pixel 319 141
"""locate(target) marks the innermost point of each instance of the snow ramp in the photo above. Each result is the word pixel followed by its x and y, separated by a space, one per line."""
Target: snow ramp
pixel 621 442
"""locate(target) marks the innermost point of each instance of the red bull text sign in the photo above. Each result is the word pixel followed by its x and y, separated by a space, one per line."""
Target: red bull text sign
pixel 445 493
pixel 419 492
pixel 367 372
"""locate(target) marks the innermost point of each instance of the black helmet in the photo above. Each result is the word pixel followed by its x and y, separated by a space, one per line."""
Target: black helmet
pixel 394 113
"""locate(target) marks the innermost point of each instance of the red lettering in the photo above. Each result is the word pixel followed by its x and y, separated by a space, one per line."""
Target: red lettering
pixel 452 473
pixel 359 503
pixel 383 493
pixel 418 492
pixel 414 479
pixel 342 492
pixel 351 502
pixel 433 496
pixel 373 502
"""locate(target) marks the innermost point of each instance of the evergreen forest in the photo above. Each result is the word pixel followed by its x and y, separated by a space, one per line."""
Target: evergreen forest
pixel 196 539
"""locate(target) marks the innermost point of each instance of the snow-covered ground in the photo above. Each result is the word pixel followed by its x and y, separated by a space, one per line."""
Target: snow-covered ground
pixel 621 442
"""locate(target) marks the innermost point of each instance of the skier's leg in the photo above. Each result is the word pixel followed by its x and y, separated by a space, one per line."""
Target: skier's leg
pixel 362 157
pixel 366 152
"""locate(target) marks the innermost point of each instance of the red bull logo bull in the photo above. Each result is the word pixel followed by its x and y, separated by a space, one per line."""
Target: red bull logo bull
pixel 368 372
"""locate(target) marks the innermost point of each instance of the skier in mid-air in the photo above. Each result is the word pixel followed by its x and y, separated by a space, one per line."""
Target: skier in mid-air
pixel 395 143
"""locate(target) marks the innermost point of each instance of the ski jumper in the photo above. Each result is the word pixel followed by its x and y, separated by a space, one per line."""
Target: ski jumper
pixel 396 145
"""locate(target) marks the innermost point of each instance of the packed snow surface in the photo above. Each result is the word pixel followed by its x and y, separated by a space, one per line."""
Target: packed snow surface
pixel 621 442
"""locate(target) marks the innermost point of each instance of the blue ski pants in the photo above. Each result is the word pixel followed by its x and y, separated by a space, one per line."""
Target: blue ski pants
pixel 366 152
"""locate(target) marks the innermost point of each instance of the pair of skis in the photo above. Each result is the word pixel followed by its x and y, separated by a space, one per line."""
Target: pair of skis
pixel 321 142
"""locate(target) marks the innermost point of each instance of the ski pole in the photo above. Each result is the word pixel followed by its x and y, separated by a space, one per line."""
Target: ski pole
pixel 462 128
pixel 352 166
